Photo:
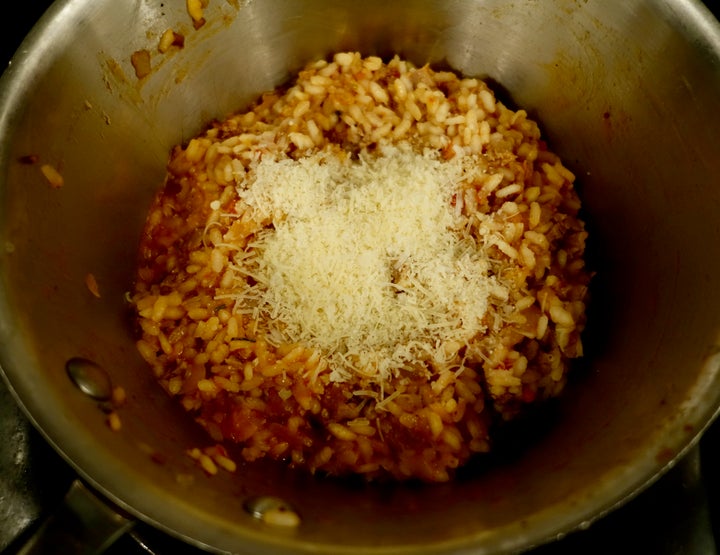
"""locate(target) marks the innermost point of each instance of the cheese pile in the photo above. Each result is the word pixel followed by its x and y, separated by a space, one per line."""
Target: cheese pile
pixel 366 260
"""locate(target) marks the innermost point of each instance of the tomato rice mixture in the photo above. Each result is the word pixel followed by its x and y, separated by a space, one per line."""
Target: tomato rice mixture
pixel 364 272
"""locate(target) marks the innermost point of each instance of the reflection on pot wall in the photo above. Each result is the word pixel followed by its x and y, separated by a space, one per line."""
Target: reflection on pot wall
pixel 625 94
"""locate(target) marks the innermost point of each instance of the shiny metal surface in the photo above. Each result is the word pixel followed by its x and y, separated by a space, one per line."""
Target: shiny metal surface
pixel 26 488
pixel 626 92
pixel 89 378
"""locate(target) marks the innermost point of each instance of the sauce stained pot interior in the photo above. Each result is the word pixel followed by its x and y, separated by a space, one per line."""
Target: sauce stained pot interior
pixel 626 93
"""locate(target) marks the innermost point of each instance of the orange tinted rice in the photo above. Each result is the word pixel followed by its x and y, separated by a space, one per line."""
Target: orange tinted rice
pixel 281 400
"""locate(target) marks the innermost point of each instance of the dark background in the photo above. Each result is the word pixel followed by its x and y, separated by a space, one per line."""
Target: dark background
pixel 680 515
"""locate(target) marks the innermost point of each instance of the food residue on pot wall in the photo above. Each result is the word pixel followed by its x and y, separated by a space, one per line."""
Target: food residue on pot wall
pixel 92 285
pixel 53 176
pixel 140 60
pixel 169 39
pixel 195 9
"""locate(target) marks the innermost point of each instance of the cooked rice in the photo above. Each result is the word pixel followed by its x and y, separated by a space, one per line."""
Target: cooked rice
pixel 225 360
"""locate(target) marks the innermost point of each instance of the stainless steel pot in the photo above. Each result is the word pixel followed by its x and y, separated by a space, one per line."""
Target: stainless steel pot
pixel 626 91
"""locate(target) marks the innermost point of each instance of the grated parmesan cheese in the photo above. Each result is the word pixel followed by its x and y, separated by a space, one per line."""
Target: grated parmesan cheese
pixel 366 260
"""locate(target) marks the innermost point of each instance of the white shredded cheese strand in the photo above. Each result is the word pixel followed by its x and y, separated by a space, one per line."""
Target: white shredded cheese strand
pixel 366 260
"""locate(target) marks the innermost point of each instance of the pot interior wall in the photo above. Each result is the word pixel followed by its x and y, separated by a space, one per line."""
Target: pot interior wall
pixel 625 93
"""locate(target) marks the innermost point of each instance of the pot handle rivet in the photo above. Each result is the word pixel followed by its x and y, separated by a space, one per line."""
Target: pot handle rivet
pixel 90 378
pixel 273 511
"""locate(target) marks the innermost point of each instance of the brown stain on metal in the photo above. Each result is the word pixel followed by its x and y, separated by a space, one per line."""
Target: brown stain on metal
pixel 116 80
pixel 115 70
pixel 148 60
pixel 665 455
pixel 615 122
pixel 607 123
pixel 140 60
pixel 577 68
